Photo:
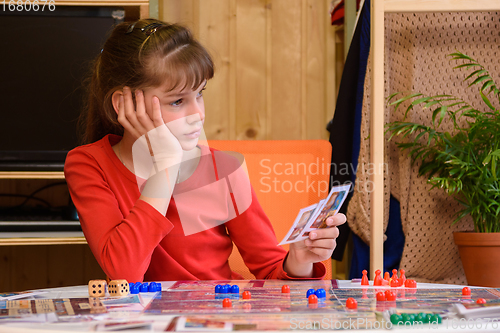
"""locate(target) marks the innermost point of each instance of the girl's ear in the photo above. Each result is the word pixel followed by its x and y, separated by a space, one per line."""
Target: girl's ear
pixel 115 100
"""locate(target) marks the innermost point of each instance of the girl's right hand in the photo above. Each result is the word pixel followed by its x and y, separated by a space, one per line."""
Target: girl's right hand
pixel 152 136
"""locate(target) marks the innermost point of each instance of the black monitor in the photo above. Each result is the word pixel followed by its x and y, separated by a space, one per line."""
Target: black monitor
pixel 44 57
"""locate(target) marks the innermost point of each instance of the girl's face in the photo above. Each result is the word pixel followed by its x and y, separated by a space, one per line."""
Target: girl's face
pixel 182 110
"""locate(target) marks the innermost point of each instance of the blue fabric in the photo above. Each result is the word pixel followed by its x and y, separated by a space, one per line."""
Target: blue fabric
pixel 364 50
pixel 393 246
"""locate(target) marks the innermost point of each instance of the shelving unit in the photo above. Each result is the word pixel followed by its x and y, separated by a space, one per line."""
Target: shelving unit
pixel 134 9
pixel 378 9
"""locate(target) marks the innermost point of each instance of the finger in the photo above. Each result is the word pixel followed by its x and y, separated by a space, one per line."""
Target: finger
pixel 130 112
pixel 323 253
pixel 325 233
pixel 123 120
pixel 144 120
pixel 157 118
pixel 328 243
pixel 336 220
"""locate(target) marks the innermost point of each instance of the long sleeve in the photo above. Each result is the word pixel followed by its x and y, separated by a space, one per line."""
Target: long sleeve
pixel 117 237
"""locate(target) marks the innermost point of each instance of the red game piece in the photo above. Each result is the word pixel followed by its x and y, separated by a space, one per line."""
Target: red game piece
pixel 226 303
pixel 395 282
pixel 394 274
pixel 410 283
pixel 481 301
pixel 387 276
pixel 390 295
pixel 377 281
pixel 285 289
pixel 380 296
pixel 402 277
pixel 466 291
pixel 313 299
pixel 364 279
pixel 351 303
pixel 246 295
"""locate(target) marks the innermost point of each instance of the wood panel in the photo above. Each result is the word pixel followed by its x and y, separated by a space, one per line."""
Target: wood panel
pixel 275 76
pixel 33 267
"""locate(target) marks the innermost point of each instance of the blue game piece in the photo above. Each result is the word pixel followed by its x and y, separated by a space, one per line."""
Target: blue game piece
pixel 152 287
pixel 235 289
pixel 310 292
pixel 218 289
pixel 133 288
pixel 144 287
pixel 225 289
pixel 321 293
pixel 158 286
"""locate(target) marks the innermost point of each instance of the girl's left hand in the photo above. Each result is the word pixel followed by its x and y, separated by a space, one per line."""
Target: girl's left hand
pixel 318 247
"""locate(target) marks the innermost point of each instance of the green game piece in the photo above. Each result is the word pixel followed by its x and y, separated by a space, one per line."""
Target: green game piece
pixel 412 318
pixel 406 318
pixel 395 319
pixel 436 319
pixel 428 318
pixel 420 318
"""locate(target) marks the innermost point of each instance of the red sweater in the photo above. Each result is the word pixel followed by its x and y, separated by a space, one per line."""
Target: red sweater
pixel 131 240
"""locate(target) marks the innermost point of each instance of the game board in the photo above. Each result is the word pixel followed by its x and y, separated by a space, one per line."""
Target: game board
pixel 197 304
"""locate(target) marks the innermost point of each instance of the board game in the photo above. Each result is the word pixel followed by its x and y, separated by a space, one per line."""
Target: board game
pixel 199 307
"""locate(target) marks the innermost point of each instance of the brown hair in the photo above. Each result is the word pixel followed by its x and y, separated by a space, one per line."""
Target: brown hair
pixel 145 53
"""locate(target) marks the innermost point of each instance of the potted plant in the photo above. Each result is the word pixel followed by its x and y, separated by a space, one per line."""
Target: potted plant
pixel 464 162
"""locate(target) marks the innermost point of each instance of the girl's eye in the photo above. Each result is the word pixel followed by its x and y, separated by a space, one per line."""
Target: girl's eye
pixel 177 102
pixel 201 92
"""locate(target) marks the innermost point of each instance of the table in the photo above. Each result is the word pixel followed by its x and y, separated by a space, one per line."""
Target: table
pixel 266 295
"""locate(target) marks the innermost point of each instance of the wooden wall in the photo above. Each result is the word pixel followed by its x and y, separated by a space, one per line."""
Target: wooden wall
pixel 275 65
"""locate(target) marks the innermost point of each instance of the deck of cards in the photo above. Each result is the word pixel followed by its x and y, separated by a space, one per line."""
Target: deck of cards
pixel 314 216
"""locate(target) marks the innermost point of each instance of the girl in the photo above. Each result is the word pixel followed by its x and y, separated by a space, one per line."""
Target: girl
pixel 146 112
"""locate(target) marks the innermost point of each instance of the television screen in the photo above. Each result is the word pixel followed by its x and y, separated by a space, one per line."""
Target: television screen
pixel 44 58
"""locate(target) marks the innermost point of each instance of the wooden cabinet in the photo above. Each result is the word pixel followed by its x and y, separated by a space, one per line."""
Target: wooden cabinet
pixel 30 260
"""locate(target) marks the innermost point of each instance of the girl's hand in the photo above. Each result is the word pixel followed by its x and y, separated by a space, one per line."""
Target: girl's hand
pixel 150 133
pixel 318 247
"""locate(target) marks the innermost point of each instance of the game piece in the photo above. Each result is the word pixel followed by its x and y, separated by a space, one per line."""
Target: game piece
pixel 118 288
pixel 235 289
pixel 419 318
pixel 97 288
pixel 377 281
pixel 435 319
pixel 410 283
pixel 246 295
pixel 154 287
pixel 320 293
pixel 380 296
pixel 466 291
pixel 285 289
pixel 225 289
pixel 394 274
pixel 481 301
pixel 312 299
pixel 402 276
pixel 387 276
pixel 364 278
pixel 390 295
pixel 405 318
pixel 310 292
pixel 133 288
pixel 396 319
pixel 143 288
pixel 226 303
pixel 351 303
pixel 218 289
pixel 395 282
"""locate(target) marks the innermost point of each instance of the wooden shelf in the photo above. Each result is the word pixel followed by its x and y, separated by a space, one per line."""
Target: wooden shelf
pixel 31 175
pixel 41 238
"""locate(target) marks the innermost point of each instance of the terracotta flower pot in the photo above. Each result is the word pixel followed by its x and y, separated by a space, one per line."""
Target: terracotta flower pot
pixel 480 255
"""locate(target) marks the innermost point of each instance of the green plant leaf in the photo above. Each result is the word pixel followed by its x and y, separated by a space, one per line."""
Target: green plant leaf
pixel 486 100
